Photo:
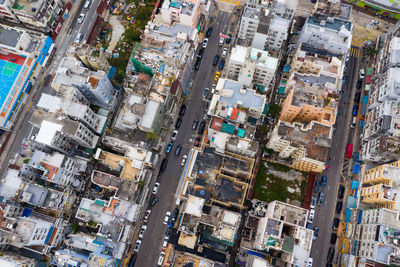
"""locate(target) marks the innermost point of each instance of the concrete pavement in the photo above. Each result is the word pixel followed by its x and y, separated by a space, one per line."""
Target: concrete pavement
pixel 151 244
pixel 325 213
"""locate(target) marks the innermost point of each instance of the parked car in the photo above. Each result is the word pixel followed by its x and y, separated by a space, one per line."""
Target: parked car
pixel 316 187
pixel 355 110
pixel 146 215
pixel 195 123
pixel 169 148
pixel 87 4
pixel 339 206
pixel 331 254
pixel 163 165
pixel 205 42
pixel 359 84
pixel 142 231
pixel 165 242
pixel 335 224
pixel 323 181
pixel 80 18
pixel 154 201
pixel 333 238
pixel 184 158
pixel 201 127
pixel 311 216
pixel 161 258
pixel 309 262
pixel 221 40
pixel 175 215
pixel 167 216
pixel 137 246
pixel 209 31
pixel 341 191
pixel 168 230
pixel 357 97
pixel 178 123
pixel 216 78
pixel 224 52
pixel 178 150
pixel 155 188
pixel 228 40
pixel 201 53
pixel 221 64
pixel 313 202
pixel 316 230
pixel 182 110
pixel 174 135
pixel 321 198
pixel 362 74
pixel 215 60
pixel 197 64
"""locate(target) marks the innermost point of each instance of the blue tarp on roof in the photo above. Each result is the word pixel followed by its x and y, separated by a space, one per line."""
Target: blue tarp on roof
pixel 360 212
pixel 365 99
pixel 111 73
pixel 26 212
pixel 348 215
pixel 355 184
pixel 255 254
pixel 362 123
pixel 356 168
pixel 351 202
pixel 286 68
pixel 49 235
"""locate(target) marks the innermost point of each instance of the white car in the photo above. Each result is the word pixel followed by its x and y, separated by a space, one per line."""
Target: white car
pixel 309 262
pixel 80 18
pixel 161 259
pixel 155 188
pixel 174 135
pixel 362 74
pixel 221 40
pixel 142 231
pixel 146 215
pixel 205 42
pixel 311 216
pixel 224 52
pixel 167 216
pixel 137 246
pixel 184 158
pixel 165 242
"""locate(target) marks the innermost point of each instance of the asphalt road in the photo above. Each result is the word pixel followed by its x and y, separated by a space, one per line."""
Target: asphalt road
pixel 325 213
pixel 152 241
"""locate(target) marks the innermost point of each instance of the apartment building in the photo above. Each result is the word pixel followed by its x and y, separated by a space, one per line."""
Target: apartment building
pixel 22 53
pixel 282 232
pixel 74 110
pixel 285 9
pixel 303 147
pixel 329 34
pixel 379 185
pixel 94 85
pixel 93 58
pixel 62 133
pixel 381 129
pixel 43 15
pixel 252 66
pixel 379 236
pixel 54 168
pixel 16 260
pixel 185 12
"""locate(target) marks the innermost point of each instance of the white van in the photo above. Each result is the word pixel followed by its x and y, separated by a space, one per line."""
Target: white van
pixel 87 4
pixel 161 258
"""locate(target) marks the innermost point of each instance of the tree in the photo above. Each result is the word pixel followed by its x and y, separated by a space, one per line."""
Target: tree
pixel 274 110
pixel 132 35
pixel 141 184
pixel 75 228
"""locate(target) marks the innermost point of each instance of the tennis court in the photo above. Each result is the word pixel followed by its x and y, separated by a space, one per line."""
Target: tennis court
pixel 8 74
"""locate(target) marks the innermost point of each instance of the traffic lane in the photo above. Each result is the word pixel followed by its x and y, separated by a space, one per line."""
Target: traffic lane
pixel 90 17
pixel 151 244
pixel 326 213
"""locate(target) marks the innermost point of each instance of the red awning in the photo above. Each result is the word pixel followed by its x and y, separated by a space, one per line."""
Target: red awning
pixel 369 80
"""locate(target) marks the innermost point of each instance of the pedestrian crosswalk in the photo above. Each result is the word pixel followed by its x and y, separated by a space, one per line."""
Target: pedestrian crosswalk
pixel 355 52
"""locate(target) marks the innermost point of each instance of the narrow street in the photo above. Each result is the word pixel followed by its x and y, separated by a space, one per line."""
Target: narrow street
pixel 325 213
pixel 204 77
